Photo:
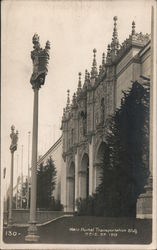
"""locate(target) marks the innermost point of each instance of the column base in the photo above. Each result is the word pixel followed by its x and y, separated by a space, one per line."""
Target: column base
pixel 144 203
pixel 75 207
pixel 10 222
pixel 32 233
pixel 32 238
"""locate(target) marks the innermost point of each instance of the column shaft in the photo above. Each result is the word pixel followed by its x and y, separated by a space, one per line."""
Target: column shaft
pixel 82 185
pixel 70 194
pixel 76 177
pixel 94 178
pixel 91 167
pixel 63 184
pixel 34 158
pixel 11 189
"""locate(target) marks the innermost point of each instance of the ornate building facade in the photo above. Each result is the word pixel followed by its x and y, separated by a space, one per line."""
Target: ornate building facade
pixel 78 153
pixel 85 118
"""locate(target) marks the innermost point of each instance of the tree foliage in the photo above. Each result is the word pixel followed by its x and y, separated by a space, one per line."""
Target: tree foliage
pixel 126 159
pixel 46 181
pixel 125 167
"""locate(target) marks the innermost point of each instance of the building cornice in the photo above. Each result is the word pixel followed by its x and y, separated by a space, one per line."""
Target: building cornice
pixel 135 59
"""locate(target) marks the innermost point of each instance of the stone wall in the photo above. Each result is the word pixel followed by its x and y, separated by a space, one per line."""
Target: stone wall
pixel 55 152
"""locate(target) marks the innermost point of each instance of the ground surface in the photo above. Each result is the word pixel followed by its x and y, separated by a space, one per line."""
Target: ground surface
pixel 87 230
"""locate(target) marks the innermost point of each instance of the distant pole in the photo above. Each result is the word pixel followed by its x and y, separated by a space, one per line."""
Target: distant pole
pixel 21 174
pixel 17 183
pixel 13 147
pixel 28 178
pixel 40 59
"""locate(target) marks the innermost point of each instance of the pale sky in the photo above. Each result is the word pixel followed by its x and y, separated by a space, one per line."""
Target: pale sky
pixel 74 29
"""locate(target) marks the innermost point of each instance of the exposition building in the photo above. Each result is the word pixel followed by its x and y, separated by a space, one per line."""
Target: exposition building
pixel 80 150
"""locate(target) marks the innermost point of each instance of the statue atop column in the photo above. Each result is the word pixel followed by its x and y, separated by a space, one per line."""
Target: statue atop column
pixel 14 139
pixel 40 58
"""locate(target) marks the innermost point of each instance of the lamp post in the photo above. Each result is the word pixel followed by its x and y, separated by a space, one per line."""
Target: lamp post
pixel 40 59
pixel 13 148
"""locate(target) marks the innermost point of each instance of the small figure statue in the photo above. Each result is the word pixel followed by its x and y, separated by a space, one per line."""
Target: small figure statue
pixel 40 59
pixel 14 139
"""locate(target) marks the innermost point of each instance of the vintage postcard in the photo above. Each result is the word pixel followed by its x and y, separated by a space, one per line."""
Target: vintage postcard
pixel 78 134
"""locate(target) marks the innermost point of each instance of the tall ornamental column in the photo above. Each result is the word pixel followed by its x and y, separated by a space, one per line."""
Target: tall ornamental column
pixel 91 168
pixel 70 194
pixel 13 148
pixel 76 177
pixel 82 184
pixel 40 59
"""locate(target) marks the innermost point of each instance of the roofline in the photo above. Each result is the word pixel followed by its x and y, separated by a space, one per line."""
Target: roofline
pixel 49 150
pixel 142 50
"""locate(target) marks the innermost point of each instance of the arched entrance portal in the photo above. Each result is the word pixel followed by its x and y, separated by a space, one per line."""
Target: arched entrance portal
pixel 71 188
pixel 84 177
pixel 98 164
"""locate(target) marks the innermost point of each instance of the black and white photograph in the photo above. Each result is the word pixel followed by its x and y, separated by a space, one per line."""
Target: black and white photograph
pixel 78 124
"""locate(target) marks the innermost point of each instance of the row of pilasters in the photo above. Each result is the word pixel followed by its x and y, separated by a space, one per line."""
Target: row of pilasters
pixel 82 184
pixel 76 178
pixel 91 172
pixel 70 194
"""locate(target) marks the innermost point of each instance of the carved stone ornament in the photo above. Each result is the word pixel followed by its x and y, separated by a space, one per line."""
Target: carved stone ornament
pixel 83 150
pixel 40 58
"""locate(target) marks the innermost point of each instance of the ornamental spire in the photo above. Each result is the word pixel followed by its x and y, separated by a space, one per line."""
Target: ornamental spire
pixel 94 65
pixel 86 75
pixel 79 83
pixel 133 28
pixel 115 42
pixel 100 69
pixel 74 99
pixel 108 58
pixel 85 79
pixel 68 99
pixel 103 59
pixel 64 111
pixel 115 33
